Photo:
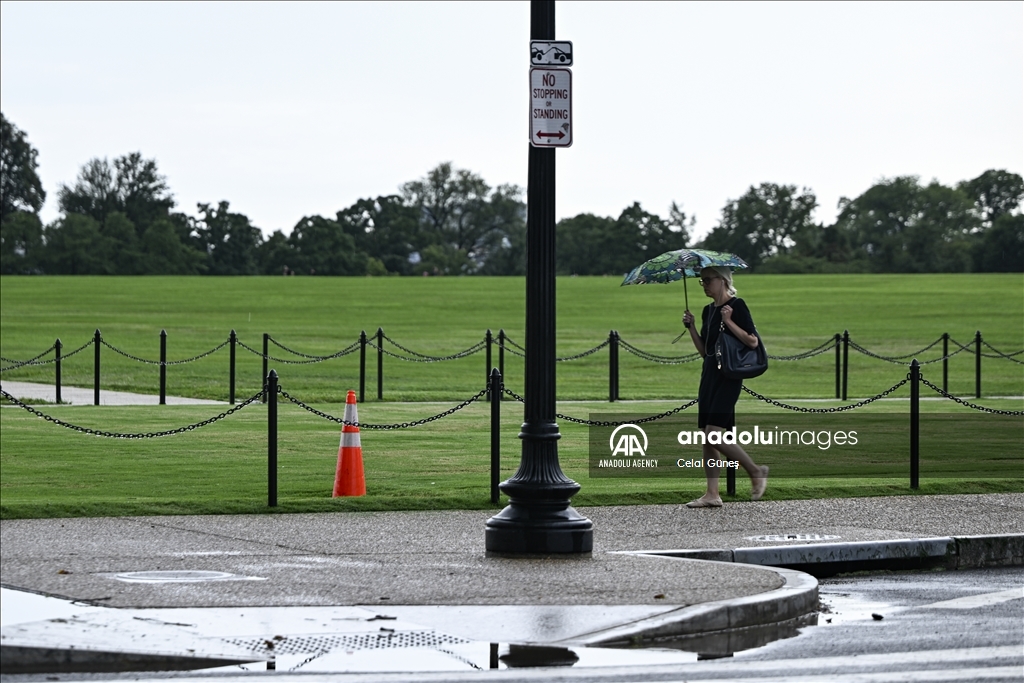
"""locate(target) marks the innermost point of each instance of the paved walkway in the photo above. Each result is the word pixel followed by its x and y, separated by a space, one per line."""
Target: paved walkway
pixel 276 585
pixel 291 589
pixel 79 396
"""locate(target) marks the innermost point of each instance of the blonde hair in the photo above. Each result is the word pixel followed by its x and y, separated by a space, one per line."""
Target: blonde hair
pixel 724 272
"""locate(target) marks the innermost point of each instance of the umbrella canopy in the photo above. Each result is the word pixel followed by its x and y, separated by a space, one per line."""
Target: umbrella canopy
pixel 675 265
pixel 679 265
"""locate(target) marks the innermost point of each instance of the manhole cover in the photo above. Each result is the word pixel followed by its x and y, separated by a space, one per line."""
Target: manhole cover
pixel 781 538
pixel 178 576
pixel 312 644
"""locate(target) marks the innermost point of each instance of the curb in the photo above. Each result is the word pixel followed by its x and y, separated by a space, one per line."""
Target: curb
pixel 828 559
pixel 797 598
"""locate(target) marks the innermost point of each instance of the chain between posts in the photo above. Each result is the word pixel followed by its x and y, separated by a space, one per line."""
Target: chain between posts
pixel 511 350
pixel 664 360
pixel 23 362
pixel 119 435
pixel 33 361
pixel 837 409
pixel 606 423
pixel 282 360
pixel 399 425
pixel 585 353
pixel 816 351
pixel 164 363
pixel 1000 354
pixel 344 352
pixel 962 402
pixel 424 358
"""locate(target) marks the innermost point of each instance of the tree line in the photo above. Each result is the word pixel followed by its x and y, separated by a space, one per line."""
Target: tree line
pixel 119 218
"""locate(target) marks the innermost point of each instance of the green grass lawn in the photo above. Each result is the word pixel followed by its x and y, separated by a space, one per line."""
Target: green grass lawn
pixel 888 314
pixel 49 471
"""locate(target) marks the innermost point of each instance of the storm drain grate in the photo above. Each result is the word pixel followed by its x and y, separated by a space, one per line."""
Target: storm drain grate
pixel 777 538
pixel 301 645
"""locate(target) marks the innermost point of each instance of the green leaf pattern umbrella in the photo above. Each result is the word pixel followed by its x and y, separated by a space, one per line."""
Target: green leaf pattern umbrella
pixel 679 265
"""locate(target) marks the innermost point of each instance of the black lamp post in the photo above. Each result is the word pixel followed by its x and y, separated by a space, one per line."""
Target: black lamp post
pixel 539 518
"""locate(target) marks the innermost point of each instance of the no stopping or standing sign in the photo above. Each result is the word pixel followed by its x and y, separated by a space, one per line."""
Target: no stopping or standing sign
pixel 550 107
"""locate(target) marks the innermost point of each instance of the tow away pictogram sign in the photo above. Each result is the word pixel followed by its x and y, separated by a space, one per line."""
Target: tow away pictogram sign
pixel 550 107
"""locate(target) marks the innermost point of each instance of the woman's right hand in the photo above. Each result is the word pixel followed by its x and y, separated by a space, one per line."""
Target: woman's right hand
pixel 687 318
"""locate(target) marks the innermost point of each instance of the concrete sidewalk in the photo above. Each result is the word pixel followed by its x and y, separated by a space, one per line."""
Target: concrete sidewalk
pixel 428 571
pixel 80 396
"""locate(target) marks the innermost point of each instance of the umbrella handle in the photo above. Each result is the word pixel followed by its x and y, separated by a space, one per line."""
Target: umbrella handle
pixel 686 297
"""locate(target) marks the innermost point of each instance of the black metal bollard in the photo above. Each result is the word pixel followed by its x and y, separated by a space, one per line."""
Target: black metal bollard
pixel 494 384
pixel 97 340
pixel 163 367
pixel 977 364
pixel 730 480
pixel 839 371
pixel 501 359
pixel 380 364
pixel 266 359
pixel 362 366
pixel 846 360
pixel 488 340
pixel 57 346
pixel 945 361
pixel 613 366
pixel 915 422
pixel 233 339
pixel 270 391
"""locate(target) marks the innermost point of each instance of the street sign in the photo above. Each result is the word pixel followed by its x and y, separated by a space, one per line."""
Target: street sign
pixel 550 107
pixel 555 52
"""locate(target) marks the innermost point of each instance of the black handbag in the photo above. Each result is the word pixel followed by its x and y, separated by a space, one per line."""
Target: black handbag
pixel 736 360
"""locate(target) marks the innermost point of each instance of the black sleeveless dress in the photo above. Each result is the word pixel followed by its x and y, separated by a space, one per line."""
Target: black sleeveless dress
pixel 716 400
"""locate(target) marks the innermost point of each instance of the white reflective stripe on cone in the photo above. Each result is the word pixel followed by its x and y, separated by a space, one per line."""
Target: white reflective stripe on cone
pixel 350 439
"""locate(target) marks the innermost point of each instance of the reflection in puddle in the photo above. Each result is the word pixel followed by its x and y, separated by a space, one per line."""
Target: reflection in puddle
pixel 521 656
pixel 724 643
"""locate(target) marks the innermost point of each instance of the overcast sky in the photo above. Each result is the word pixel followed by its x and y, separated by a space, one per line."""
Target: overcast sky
pixel 295 109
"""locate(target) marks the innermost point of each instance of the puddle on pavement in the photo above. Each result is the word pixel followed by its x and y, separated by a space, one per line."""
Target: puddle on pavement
pixel 843 608
pixel 358 639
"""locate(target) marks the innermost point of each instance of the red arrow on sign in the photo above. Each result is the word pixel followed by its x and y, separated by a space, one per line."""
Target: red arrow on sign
pixel 558 135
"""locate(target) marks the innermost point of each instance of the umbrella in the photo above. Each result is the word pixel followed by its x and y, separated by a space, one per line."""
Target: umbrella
pixel 679 265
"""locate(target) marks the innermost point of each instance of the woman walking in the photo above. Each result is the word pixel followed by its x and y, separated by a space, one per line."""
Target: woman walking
pixel 716 400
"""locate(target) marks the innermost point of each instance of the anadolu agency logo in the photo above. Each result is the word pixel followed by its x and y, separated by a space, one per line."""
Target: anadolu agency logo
pixel 628 445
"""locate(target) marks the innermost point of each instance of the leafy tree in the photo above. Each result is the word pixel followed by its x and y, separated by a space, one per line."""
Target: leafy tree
pixel 385 229
pixel 20 187
pixel 594 245
pixel 76 246
pixel 457 208
pixel 897 226
pixel 443 259
pixel 276 256
pixel 766 221
pixel 502 248
pixel 996 193
pixel 585 245
pixel 164 252
pixel 130 185
pixel 1001 248
pixel 121 244
pixel 322 247
pixel 642 235
pixel 21 242
pixel 231 242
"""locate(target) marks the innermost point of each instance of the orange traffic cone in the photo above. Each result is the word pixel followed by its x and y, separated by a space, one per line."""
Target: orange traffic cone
pixel 348 479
